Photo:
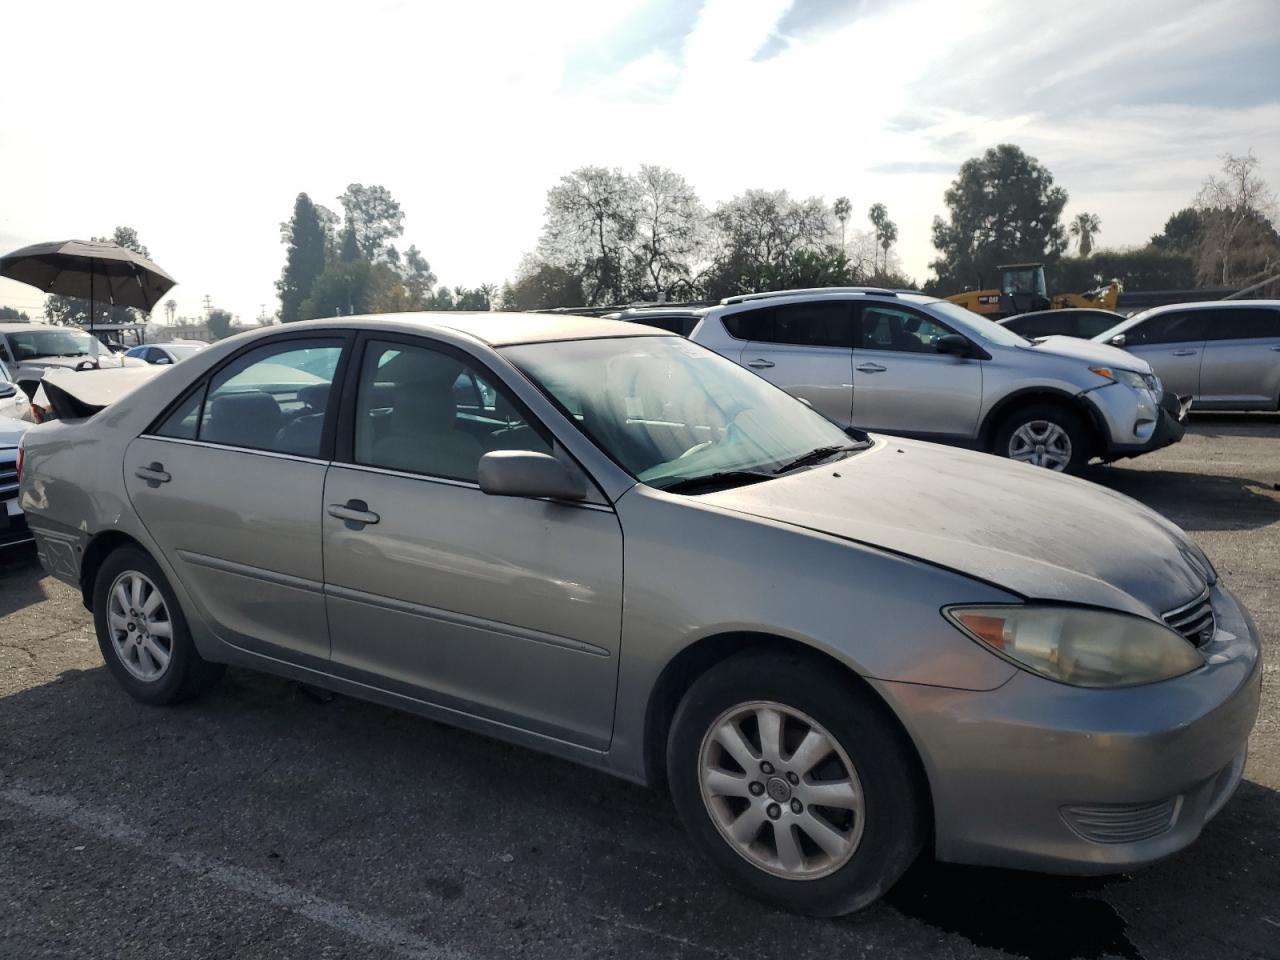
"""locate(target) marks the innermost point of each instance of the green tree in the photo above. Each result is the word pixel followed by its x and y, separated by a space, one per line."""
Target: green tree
pixel 756 234
pixel 886 231
pixel 219 323
pixel 1084 227
pixel 12 313
pixel 349 287
pixel 304 257
pixel 74 311
pixel 843 210
pixel 1002 207
pixel 1182 232
pixel 373 216
pixel 542 286
pixel 418 278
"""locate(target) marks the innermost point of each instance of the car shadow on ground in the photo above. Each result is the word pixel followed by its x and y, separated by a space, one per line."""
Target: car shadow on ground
pixel 1213 424
pixel 20 576
pixel 1196 501
pixel 443 830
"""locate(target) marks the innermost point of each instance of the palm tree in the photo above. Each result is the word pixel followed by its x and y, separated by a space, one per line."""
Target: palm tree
pixel 842 208
pixel 1085 227
pixel 170 308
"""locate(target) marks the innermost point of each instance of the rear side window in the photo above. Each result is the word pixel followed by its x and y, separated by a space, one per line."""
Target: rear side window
pixel 1169 328
pixel 825 323
pixel 751 325
pixel 1242 323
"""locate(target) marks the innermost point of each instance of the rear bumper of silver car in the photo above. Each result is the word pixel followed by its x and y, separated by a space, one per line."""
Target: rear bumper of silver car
pixel 1042 776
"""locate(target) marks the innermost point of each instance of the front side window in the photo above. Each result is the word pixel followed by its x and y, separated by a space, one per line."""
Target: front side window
pixel 667 410
pixel 1243 323
pixel 1168 328
pixel 422 410
pixel 892 328
pixel 272 398
pixel 1092 324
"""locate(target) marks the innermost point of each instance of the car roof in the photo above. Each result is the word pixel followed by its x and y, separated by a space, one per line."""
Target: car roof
pixel 1213 305
pixel 497 329
pixel 19 326
pixel 754 300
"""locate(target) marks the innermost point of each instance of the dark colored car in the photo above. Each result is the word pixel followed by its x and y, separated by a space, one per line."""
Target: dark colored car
pixel 1083 322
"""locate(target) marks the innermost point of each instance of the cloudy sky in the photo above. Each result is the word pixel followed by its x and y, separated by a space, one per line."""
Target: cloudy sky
pixel 199 128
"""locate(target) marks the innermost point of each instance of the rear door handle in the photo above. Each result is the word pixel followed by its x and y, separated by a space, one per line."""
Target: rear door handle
pixel 1276 348
pixel 355 513
pixel 154 474
pixel 760 364
pixel 1185 353
pixel 870 368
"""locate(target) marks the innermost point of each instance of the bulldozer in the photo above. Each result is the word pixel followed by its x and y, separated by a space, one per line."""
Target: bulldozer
pixel 1022 290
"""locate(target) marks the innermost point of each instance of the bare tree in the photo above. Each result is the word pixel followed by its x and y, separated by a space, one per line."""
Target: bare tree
pixel 670 226
pixel 592 219
pixel 1228 203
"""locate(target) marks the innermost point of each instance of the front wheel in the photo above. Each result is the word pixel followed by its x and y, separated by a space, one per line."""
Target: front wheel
pixel 795 784
pixel 1044 435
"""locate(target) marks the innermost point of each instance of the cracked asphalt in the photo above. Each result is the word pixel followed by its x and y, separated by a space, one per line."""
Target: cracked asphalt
pixel 263 821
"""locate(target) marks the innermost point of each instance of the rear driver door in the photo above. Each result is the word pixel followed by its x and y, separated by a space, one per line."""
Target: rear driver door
pixel 807 350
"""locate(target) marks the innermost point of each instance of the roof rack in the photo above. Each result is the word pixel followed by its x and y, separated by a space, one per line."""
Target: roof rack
pixel 746 297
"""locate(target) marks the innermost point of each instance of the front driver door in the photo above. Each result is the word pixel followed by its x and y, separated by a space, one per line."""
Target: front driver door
pixel 501 608
pixel 230 485
pixel 902 384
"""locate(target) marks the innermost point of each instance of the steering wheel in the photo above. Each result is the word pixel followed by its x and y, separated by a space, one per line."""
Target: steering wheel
pixel 87 365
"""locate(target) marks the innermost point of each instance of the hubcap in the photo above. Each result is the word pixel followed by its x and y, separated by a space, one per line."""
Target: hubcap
pixel 1041 443
pixel 802 822
pixel 139 625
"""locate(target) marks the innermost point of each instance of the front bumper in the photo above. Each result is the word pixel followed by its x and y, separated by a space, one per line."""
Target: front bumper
pixel 1042 776
pixel 1169 426
pixel 13 525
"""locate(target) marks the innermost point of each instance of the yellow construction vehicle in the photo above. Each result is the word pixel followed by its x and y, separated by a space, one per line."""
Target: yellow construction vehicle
pixel 1022 289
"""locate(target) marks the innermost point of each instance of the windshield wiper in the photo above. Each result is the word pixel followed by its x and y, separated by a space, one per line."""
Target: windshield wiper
pixel 725 478
pixel 820 454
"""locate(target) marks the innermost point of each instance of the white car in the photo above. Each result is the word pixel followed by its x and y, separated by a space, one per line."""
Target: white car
pixel 166 353
pixel 13 402
pixel 29 349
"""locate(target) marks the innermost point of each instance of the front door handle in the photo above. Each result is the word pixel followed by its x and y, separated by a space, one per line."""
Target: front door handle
pixel 759 364
pixel 154 474
pixel 1276 348
pixel 1185 353
pixel 355 513
pixel 870 368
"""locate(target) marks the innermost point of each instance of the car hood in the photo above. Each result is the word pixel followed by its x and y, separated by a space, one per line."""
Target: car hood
pixel 1033 532
pixel 1098 354
pixel 105 361
pixel 11 431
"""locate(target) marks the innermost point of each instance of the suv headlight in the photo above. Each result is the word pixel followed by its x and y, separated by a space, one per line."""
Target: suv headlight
pixel 1130 379
pixel 1080 646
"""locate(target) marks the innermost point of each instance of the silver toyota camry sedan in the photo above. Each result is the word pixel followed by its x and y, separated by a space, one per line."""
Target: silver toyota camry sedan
pixel 837 651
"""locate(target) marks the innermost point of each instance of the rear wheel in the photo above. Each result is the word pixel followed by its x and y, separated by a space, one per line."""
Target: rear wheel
pixel 795 784
pixel 142 633
pixel 1044 435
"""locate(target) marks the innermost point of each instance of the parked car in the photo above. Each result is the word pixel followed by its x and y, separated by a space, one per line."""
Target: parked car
pixel 1082 322
pixel 29 349
pixel 13 526
pixel 13 402
pixel 673 320
pixel 169 352
pixel 1224 354
pixel 836 650
pixel 913 365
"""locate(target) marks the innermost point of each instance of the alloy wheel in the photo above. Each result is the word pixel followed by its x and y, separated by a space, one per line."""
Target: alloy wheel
pixel 140 626
pixel 781 790
pixel 1041 443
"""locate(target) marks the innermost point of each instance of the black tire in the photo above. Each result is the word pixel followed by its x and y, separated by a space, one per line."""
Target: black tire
pixel 187 673
pixel 1064 418
pixel 893 826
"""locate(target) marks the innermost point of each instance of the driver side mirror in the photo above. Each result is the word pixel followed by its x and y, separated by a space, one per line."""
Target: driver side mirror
pixel 159 360
pixel 524 473
pixel 1118 340
pixel 953 344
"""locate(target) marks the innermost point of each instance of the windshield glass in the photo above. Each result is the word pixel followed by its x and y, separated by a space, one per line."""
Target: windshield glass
pixel 1024 280
pixel 1123 326
pixel 667 410
pixel 29 344
pixel 978 326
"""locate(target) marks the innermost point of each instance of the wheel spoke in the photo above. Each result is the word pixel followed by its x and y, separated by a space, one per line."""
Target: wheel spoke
pixel 812 748
pixel 720 783
pixel 823 834
pixel 117 621
pixel 730 737
pixel 121 597
pixel 789 854
pixel 158 653
pixel 770 724
pixel 152 603
pixel 160 628
pixel 135 592
pixel 842 794
pixel 745 828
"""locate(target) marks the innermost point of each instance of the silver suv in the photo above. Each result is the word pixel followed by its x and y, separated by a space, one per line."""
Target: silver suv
pixel 909 364
pixel 1224 355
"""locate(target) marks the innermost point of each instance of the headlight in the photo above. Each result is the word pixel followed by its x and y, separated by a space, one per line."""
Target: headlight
pixel 1130 379
pixel 1079 646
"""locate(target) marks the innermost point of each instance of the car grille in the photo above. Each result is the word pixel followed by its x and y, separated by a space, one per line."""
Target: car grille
pixel 1194 620
pixel 8 475
pixel 1122 823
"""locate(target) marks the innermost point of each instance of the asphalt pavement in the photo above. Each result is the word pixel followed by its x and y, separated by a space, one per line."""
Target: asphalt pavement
pixel 264 820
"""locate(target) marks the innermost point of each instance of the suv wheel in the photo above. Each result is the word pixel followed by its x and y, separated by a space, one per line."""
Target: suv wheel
pixel 794 784
pixel 1044 435
pixel 142 634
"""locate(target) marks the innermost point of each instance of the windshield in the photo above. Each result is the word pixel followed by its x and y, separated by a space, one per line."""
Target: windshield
pixel 978 326
pixel 667 410
pixel 30 344
pixel 1024 280
pixel 1123 326
pixel 183 350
